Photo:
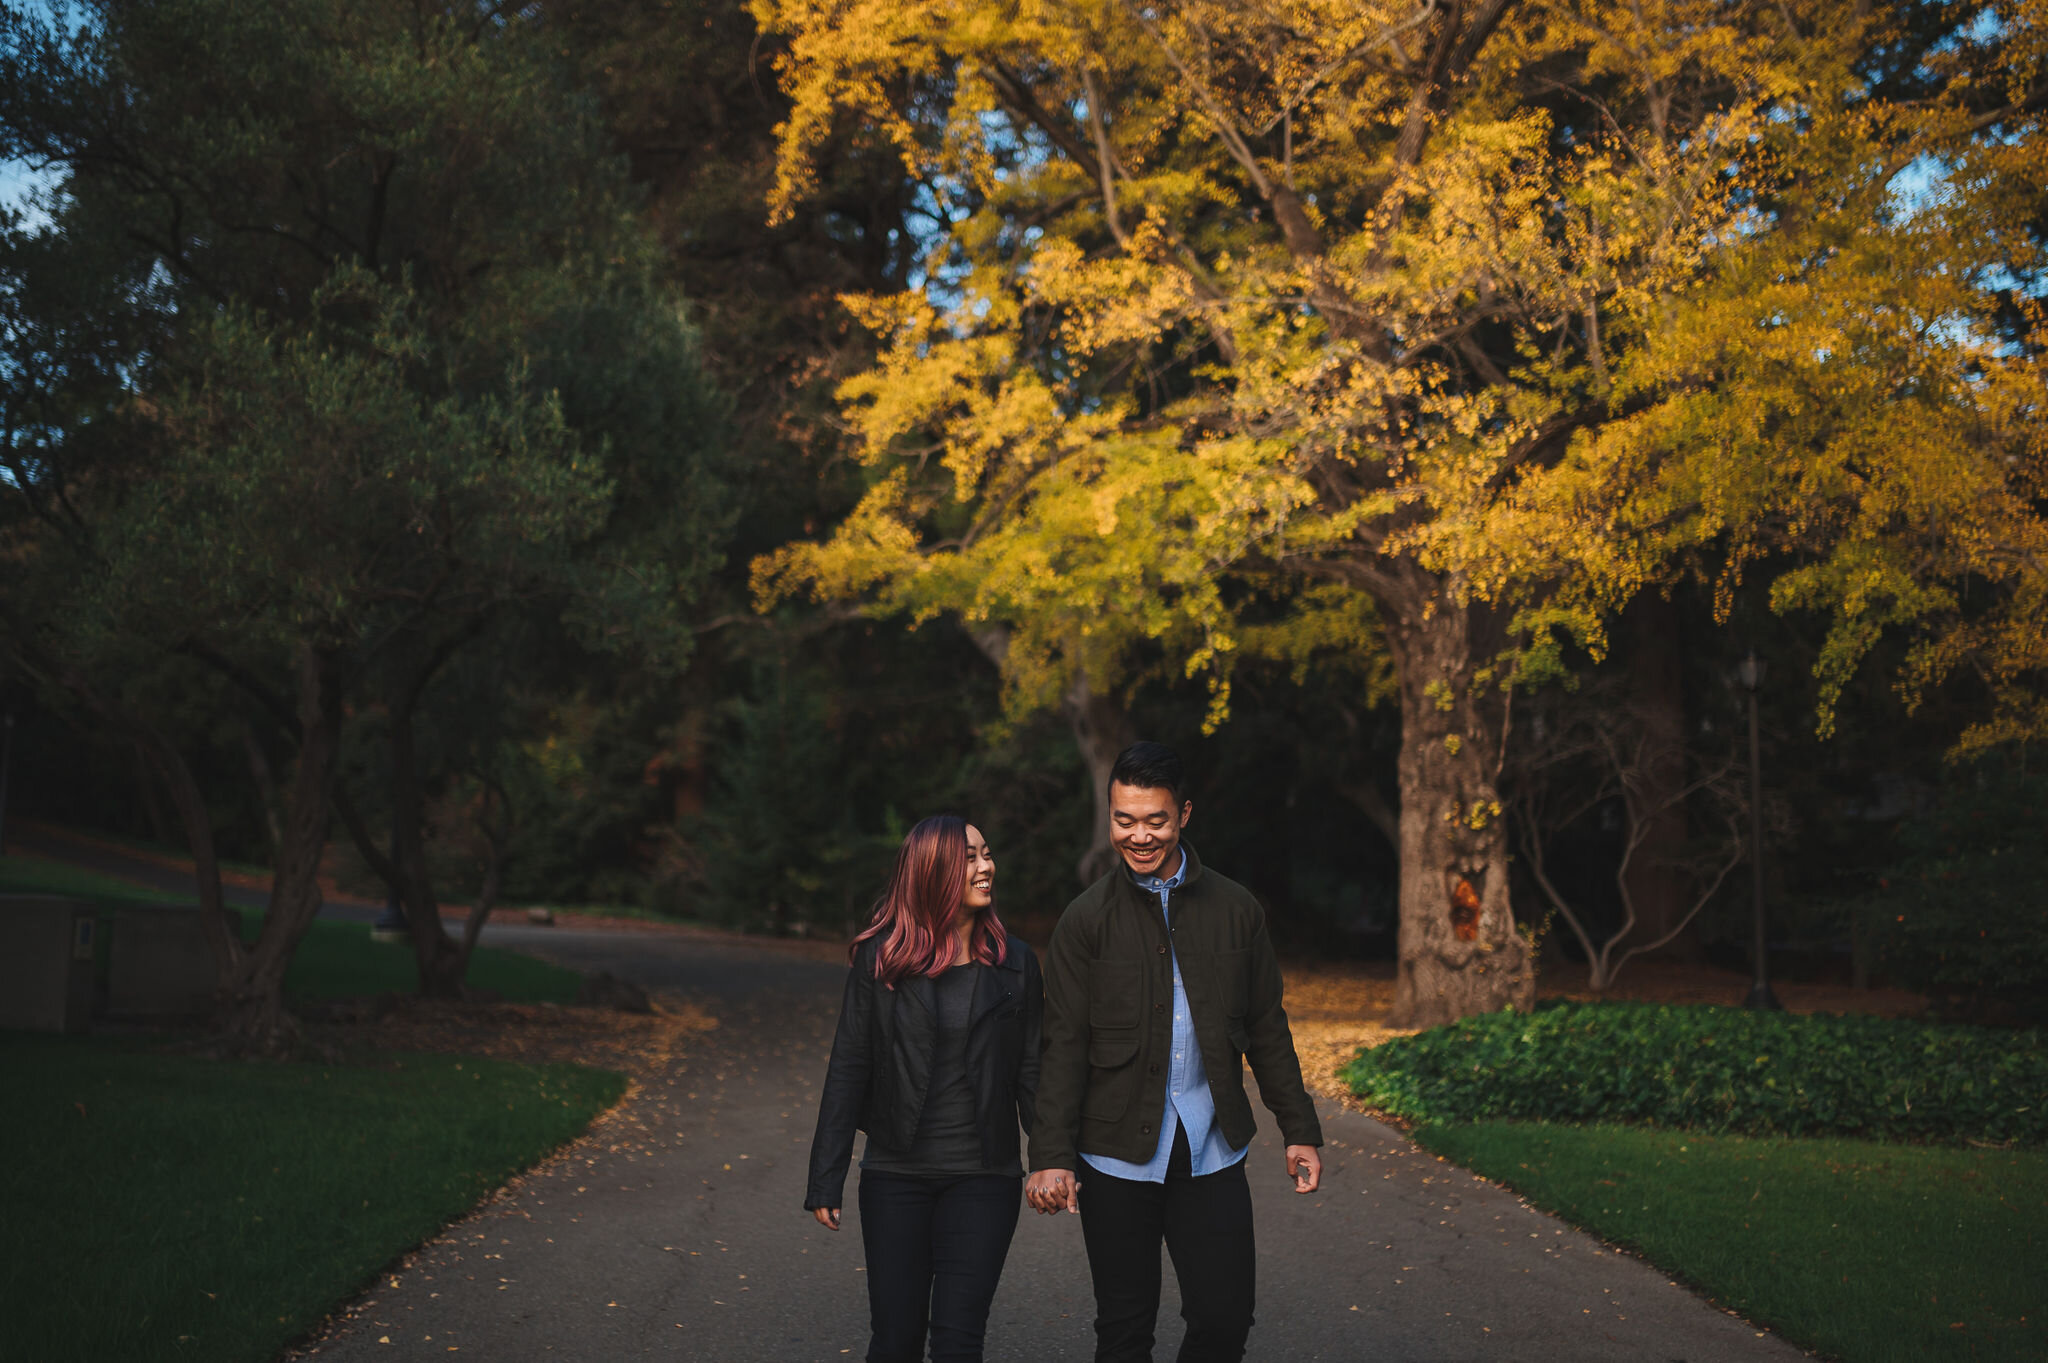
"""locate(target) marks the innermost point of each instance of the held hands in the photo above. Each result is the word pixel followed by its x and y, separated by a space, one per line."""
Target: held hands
pixel 828 1217
pixel 1053 1190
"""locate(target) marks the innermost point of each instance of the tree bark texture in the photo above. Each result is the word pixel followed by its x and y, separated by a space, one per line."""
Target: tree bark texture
pixel 266 785
pixel 1101 730
pixel 441 960
pixel 146 772
pixel 170 767
pixel 253 1016
pixel 1459 950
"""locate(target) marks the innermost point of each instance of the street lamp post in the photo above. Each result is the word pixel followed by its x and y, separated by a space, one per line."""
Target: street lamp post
pixel 6 760
pixel 1750 672
pixel 391 925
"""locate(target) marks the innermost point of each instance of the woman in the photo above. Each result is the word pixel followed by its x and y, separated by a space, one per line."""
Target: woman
pixel 936 1058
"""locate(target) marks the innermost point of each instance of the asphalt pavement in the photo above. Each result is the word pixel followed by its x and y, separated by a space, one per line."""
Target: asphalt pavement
pixel 676 1229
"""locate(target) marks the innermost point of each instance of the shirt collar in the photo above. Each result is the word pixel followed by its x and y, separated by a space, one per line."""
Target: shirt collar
pixel 1158 883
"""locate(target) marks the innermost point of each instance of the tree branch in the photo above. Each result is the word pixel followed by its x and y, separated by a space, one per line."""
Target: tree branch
pixel 1384 38
pixel 1104 162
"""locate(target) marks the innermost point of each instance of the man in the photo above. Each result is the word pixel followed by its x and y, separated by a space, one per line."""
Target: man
pixel 1160 977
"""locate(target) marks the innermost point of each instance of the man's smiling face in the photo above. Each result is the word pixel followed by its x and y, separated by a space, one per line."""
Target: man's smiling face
pixel 1144 827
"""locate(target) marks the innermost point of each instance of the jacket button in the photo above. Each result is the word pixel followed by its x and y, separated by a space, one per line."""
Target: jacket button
pixel 1162 948
pixel 1145 1130
pixel 1155 1069
pixel 1158 1007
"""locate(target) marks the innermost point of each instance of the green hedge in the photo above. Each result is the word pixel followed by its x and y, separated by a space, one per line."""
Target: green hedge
pixel 1717 1069
pixel 1961 914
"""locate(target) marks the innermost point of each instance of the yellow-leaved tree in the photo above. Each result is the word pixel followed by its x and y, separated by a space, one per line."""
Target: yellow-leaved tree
pixel 1492 314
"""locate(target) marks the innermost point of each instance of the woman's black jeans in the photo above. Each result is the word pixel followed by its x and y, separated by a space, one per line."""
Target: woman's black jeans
pixel 935 1247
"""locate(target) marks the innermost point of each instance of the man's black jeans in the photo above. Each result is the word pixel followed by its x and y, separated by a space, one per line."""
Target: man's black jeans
pixel 935 1247
pixel 1207 1225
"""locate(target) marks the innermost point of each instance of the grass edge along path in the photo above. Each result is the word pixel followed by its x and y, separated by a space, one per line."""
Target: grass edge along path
pixel 1866 1251
pixel 168 1207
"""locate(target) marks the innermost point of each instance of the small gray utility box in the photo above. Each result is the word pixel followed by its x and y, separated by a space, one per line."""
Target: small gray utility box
pixel 46 947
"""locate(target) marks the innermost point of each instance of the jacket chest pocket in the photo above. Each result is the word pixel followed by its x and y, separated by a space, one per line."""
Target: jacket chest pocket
pixel 1218 980
pixel 1114 992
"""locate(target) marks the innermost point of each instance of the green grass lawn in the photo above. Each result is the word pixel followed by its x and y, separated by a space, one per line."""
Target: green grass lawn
pixel 336 960
pixel 1876 1253
pixel 39 875
pixel 339 960
pixel 166 1207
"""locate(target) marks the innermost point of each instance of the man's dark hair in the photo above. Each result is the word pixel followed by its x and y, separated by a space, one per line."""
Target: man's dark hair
pixel 1150 766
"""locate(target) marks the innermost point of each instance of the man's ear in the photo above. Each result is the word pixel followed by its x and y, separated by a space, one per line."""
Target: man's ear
pixel 1187 812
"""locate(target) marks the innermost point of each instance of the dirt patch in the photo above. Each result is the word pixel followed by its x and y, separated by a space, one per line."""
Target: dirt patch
pixel 1334 1009
pixel 1676 982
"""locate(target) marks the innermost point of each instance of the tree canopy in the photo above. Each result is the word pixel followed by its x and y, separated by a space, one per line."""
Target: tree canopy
pixel 411 382
pixel 598 450
pixel 1497 314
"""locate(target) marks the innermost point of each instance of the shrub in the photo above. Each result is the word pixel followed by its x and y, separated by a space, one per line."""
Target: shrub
pixel 1717 1069
pixel 1962 915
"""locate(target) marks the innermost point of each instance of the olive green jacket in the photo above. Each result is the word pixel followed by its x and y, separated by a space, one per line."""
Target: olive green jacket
pixel 1109 1018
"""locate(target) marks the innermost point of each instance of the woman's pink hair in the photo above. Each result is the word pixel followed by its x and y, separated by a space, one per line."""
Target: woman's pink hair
pixel 914 917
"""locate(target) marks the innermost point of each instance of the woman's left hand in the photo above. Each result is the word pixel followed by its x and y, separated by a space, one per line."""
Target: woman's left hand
pixel 828 1217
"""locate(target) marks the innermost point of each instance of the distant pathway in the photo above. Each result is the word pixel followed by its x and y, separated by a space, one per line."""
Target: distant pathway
pixel 155 872
pixel 676 1230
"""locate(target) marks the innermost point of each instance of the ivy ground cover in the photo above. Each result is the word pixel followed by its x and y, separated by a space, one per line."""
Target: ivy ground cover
pixel 1718 1069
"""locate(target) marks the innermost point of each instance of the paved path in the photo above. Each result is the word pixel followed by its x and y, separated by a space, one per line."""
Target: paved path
pixel 92 854
pixel 676 1230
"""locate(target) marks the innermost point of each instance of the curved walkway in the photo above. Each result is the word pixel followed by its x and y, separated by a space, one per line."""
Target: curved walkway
pixel 675 1229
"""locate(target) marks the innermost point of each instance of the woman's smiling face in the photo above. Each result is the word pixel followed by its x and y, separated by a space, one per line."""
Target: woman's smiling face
pixel 981 873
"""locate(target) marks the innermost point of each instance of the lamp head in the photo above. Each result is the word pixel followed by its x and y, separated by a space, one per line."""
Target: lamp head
pixel 1750 671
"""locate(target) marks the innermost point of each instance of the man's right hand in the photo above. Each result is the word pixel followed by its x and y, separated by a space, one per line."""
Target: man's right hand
pixel 1053 1190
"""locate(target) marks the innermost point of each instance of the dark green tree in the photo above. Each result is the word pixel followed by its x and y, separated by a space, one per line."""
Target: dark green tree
pixel 415 388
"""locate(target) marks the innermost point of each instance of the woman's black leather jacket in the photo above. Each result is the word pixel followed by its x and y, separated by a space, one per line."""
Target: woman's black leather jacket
pixel 882 1064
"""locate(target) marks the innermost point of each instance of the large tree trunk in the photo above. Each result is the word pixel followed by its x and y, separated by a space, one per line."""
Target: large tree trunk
pixel 266 787
pixel 440 960
pixel 1459 950
pixel 253 1017
pixel 1658 886
pixel 1102 729
pixel 148 764
pixel 170 766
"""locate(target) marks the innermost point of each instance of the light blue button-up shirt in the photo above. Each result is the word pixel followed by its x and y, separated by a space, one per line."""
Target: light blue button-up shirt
pixel 1188 1100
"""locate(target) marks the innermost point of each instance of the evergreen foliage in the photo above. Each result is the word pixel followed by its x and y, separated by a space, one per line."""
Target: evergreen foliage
pixel 1961 914
pixel 1717 1069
